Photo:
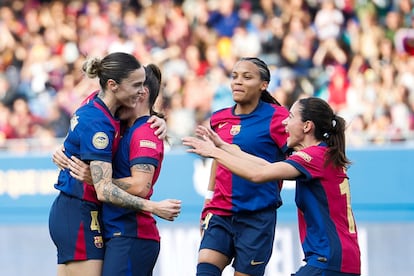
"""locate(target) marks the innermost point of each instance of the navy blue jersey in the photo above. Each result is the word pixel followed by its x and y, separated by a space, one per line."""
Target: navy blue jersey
pixel 326 222
pixel 139 145
pixel 260 133
pixel 93 135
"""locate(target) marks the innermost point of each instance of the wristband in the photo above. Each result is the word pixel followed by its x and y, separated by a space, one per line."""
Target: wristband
pixel 209 195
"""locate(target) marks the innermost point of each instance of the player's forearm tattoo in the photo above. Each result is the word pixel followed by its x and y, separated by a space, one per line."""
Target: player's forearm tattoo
pixel 102 178
pixel 115 195
pixel 146 168
pixel 96 173
pixel 121 184
pixel 143 168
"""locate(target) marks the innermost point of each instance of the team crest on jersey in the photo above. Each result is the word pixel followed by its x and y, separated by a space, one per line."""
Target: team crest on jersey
pixel 147 144
pixel 235 129
pixel 73 122
pixel 100 140
pixel 98 241
pixel 304 156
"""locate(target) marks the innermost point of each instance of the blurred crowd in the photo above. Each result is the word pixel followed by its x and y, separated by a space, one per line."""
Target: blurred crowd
pixel 356 54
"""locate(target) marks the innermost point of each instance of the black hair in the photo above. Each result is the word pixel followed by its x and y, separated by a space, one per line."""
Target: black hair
pixel 328 127
pixel 153 83
pixel 264 75
pixel 116 66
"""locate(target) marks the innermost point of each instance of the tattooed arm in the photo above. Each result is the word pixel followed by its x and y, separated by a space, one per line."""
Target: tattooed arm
pixel 108 192
pixel 140 182
pixel 101 175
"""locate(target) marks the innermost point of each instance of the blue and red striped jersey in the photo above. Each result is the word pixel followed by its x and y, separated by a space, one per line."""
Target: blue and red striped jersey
pixel 326 222
pixel 260 133
pixel 139 145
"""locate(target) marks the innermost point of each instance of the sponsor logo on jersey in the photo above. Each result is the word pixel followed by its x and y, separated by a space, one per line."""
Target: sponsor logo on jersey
pixel 235 129
pixel 98 241
pixel 73 122
pixel 304 156
pixel 147 144
pixel 100 140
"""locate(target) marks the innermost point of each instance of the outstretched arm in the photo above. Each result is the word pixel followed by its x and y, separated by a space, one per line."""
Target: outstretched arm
pixel 242 164
pixel 204 132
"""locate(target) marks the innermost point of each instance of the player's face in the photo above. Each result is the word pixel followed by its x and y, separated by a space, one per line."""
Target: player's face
pixel 246 84
pixel 129 89
pixel 294 127
pixel 132 113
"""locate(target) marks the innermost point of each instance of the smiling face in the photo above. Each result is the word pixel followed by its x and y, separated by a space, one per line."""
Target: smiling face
pixel 246 84
pixel 294 126
pixel 128 90
pixel 131 114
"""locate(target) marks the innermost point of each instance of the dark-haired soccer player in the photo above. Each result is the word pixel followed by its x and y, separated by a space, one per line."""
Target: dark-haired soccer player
pixel 326 223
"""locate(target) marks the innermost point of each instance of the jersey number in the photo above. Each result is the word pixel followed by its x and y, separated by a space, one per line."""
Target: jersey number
pixel 344 186
pixel 95 222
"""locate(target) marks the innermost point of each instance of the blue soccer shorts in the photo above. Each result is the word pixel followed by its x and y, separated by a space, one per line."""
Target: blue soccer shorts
pixel 130 256
pixel 246 237
pixel 75 228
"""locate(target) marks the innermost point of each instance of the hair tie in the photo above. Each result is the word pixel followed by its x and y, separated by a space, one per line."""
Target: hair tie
pixel 333 123
pixel 326 135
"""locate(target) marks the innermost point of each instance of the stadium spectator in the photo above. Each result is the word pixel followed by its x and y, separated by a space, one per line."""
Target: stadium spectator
pixel 44 42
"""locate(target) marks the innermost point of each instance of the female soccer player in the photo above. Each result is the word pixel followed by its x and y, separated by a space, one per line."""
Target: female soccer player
pixel 240 219
pixel 75 219
pixel 132 238
pixel 326 223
